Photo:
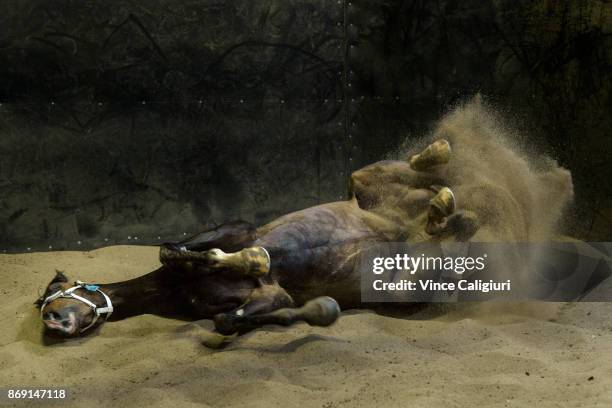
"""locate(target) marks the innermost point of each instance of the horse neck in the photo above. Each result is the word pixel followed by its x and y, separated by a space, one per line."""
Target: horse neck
pixel 154 293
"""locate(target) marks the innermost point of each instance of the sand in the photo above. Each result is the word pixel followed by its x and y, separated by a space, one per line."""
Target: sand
pixel 489 355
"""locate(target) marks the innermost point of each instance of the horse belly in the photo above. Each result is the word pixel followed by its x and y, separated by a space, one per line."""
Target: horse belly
pixel 327 270
pixel 315 252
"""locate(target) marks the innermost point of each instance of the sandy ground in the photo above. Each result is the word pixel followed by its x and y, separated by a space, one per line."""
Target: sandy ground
pixel 493 355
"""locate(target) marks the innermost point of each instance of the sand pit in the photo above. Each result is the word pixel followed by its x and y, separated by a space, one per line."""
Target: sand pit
pixel 490 355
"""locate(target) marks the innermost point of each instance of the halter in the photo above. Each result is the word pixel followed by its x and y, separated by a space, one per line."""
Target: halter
pixel 69 294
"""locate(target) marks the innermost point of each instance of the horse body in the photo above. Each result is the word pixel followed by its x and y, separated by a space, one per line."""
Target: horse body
pixel 313 253
pixel 290 269
pixel 314 250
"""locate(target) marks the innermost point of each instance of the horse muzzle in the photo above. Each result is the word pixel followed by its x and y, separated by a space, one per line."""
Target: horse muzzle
pixel 67 325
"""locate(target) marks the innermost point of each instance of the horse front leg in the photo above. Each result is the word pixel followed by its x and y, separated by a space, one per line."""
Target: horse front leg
pixel 322 311
pixel 442 217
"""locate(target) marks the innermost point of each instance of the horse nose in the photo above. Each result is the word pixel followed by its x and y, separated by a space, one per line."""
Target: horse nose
pixel 58 315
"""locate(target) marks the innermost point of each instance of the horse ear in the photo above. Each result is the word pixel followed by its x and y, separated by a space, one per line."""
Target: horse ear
pixel 59 277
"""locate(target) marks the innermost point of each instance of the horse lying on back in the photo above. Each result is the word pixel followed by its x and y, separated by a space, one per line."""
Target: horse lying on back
pixel 299 267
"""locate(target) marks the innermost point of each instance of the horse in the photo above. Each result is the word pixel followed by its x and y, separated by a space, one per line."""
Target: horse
pixel 299 267
pixel 303 266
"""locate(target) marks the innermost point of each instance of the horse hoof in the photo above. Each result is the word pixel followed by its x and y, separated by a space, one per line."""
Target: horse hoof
pixel 441 206
pixel 224 324
pixel 444 201
pixel 322 311
pixel 435 154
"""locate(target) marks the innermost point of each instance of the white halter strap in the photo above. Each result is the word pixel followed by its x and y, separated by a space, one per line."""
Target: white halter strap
pixel 69 294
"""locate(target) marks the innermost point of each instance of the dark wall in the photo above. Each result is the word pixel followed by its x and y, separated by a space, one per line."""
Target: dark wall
pixel 546 65
pixel 146 119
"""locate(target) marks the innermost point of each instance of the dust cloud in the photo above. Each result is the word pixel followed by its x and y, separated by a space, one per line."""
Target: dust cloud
pixel 518 194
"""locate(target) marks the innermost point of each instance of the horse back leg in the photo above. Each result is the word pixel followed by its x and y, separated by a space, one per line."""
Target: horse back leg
pixel 231 237
pixel 251 261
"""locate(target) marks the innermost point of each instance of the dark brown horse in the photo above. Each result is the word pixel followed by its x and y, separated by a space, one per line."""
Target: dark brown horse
pixel 299 267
